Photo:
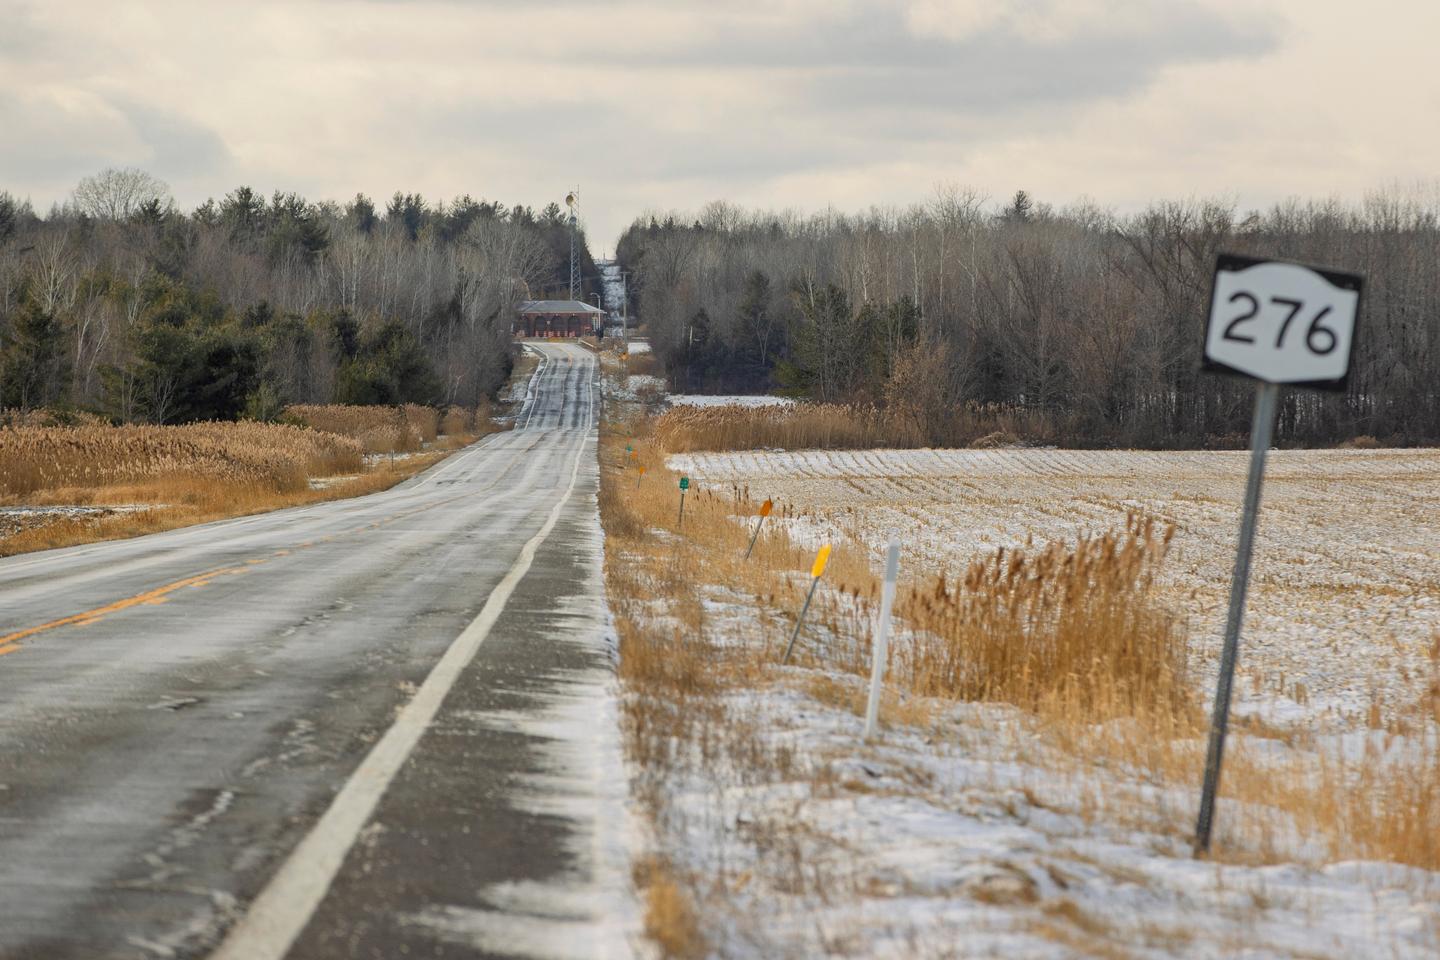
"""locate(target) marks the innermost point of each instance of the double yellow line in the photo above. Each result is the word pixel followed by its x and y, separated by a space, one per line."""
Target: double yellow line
pixel 11 642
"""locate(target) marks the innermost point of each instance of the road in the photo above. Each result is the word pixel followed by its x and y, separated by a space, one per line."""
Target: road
pixel 366 728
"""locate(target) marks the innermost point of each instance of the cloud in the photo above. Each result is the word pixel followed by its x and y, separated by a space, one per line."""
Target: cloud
pixel 177 147
pixel 54 136
pixel 648 103
pixel 20 37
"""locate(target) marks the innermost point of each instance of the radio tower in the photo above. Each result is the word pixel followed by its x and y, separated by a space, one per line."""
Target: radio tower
pixel 572 198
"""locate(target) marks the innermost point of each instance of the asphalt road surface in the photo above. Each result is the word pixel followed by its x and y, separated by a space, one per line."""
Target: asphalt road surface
pixel 377 727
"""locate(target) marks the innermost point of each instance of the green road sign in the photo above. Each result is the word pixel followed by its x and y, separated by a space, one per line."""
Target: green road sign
pixel 684 483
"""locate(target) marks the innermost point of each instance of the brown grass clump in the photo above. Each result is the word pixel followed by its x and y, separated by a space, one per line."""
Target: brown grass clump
pixel 671 921
pixel 44 417
pixel 399 429
pixel 274 457
pixel 1075 628
pixel 830 426
pixel 379 429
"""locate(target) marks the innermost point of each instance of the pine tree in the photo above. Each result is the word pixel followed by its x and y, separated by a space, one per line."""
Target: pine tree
pixel 30 358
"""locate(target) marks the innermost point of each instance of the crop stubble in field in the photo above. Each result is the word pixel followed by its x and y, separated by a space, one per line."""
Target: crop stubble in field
pixel 1346 591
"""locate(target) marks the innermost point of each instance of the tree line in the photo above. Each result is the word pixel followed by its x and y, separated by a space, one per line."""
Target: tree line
pixel 118 302
pixel 1078 317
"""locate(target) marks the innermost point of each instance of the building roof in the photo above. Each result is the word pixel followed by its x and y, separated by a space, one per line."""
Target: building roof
pixel 559 306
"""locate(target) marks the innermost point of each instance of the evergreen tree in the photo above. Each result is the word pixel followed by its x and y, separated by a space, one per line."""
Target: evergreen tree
pixel 30 358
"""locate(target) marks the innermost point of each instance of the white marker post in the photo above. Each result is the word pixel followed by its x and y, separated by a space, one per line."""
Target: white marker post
pixel 1280 323
pixel 882 634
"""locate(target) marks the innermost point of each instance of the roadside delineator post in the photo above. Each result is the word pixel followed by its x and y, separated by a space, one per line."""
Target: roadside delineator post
pixel 1251 331
pixel 629 455
pixel 638 477
pixel 882 634
pixel 817 570
pixel 765 509
pixel 684 485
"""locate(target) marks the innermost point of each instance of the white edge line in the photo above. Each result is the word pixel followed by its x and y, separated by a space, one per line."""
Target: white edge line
pixel 283 908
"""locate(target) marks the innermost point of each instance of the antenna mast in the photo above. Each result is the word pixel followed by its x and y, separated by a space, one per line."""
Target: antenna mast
pixel 571 199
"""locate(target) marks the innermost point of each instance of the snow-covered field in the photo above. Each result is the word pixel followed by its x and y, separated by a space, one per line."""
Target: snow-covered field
pixel 1345 593
pixel 968 835
pixel 724 400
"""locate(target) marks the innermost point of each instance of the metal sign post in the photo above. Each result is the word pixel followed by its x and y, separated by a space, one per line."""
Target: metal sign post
pixel 1252 330
pixel 684 485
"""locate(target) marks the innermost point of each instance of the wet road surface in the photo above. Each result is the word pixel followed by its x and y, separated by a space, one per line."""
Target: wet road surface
pixel 369 728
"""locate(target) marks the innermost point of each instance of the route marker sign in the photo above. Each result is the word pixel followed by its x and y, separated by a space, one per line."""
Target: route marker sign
pixel 1279 323
pixel 1282 322
pixel 684 485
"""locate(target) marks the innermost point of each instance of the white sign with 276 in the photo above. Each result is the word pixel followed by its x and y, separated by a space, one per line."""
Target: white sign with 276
pixel 1282 322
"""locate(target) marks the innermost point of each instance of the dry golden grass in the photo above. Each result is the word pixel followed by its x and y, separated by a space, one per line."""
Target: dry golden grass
pixel 43 417
pixel 379 429
pixel 828 426
pixel 182 502
pixel 60 463
pixel 643 364
pixel 207 471
pixel 1071 630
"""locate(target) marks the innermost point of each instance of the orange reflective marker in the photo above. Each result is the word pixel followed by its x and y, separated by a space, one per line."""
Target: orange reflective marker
pixel 638 477
pixel 765 509
pixel 816 571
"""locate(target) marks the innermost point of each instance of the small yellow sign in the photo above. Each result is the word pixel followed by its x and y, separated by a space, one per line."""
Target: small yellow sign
pixel 821 558
pixel 765 508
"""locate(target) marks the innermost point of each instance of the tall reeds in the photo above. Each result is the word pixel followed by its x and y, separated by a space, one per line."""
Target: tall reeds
pixel 830 426
pixel 1077 629
pixel 275 457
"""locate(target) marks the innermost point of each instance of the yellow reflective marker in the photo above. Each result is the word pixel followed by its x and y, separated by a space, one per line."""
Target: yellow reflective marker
pixel 821 558
pixel 818 570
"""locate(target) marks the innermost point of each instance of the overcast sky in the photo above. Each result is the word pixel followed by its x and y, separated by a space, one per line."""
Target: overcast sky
pixel 672 103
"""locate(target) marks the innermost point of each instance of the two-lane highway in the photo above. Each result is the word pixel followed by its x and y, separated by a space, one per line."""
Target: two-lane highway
pixel 310 731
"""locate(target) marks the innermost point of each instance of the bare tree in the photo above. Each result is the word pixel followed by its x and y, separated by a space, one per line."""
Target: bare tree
pixel 119 194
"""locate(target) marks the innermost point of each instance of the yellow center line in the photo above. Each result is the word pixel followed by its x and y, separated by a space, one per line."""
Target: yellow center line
pixel 90 616
pixel 10 642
